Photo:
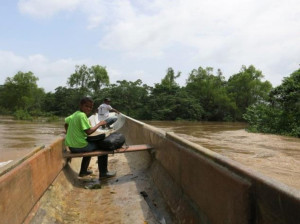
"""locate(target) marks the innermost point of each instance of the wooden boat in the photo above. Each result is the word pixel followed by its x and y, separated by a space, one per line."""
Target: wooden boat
pixel 174 182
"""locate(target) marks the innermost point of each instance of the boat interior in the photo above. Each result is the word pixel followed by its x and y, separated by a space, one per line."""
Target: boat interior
pixel 176 181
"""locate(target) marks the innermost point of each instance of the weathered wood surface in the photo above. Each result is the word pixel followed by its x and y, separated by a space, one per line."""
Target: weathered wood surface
pixel 130 148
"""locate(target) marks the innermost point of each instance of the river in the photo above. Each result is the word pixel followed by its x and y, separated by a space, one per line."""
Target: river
pixel 275 156
pixel 20 137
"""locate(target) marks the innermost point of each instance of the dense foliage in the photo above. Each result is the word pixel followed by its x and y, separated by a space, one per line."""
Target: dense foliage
pixel 280 113
pixel 206 96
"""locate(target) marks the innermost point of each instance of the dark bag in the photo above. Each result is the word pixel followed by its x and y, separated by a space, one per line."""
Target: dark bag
pixel 112 142
pixel 95 138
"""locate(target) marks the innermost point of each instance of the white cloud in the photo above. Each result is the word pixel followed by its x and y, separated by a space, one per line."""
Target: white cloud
pixel 46 8
pixel 96 12
pixel 224 34
pixel 51 74
pixel 206 26
pixel 149 27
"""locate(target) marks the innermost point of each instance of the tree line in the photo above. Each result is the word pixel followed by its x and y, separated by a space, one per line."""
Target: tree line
pixel 206 96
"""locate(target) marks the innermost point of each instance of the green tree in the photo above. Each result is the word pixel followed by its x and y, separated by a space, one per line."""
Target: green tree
pixel 98 78
pixel 128 97
pixel 262 117
pixel 246 88
pixel 281 113
pixel 176 106
pixel 66 101
pixel 22 93
pixel 210 92
pixel 168 101
pixel 287 95
pixel 169 80
pixel 80 79
pixel 287 98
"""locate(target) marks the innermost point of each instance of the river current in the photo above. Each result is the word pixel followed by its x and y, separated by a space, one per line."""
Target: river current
pixel 275 156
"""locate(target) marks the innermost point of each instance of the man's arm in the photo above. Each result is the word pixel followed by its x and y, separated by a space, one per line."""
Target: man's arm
pixel 93 129
pixel 114 110
pixel 66 127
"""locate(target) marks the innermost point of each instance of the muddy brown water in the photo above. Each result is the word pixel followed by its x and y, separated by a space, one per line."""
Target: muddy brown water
pixel 275 156
pixel 272 155
pixel 18 138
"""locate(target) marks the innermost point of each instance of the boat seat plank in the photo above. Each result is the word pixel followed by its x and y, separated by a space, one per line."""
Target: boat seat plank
pixel 123 149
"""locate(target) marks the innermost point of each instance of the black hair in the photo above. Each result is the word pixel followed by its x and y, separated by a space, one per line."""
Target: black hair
pixel 85 100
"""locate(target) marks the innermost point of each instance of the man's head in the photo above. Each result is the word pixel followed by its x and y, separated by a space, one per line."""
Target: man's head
pixel 86 105
pixel 107 100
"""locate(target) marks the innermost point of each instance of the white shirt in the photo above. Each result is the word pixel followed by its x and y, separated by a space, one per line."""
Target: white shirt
pixel 103 111
pixel 93 119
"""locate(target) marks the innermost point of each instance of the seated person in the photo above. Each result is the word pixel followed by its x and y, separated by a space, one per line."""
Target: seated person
pixel 77 128
pixel 103 113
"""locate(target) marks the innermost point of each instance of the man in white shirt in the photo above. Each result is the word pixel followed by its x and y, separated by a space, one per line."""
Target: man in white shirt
pixel 103 113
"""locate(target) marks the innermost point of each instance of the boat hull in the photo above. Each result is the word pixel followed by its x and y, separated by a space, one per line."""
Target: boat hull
pixel 186 182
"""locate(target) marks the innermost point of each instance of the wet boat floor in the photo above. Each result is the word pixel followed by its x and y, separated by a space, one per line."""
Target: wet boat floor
pixel 129 197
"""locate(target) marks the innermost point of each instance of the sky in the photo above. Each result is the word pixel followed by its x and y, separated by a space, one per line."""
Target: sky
pixel 142 39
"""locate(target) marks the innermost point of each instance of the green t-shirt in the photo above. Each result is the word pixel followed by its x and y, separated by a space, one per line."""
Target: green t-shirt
pixel 76 136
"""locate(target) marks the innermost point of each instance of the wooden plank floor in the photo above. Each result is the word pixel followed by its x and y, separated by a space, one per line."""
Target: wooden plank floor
pixel 130 148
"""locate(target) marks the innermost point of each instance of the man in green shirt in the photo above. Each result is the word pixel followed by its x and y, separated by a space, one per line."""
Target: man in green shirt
pixel 77 128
